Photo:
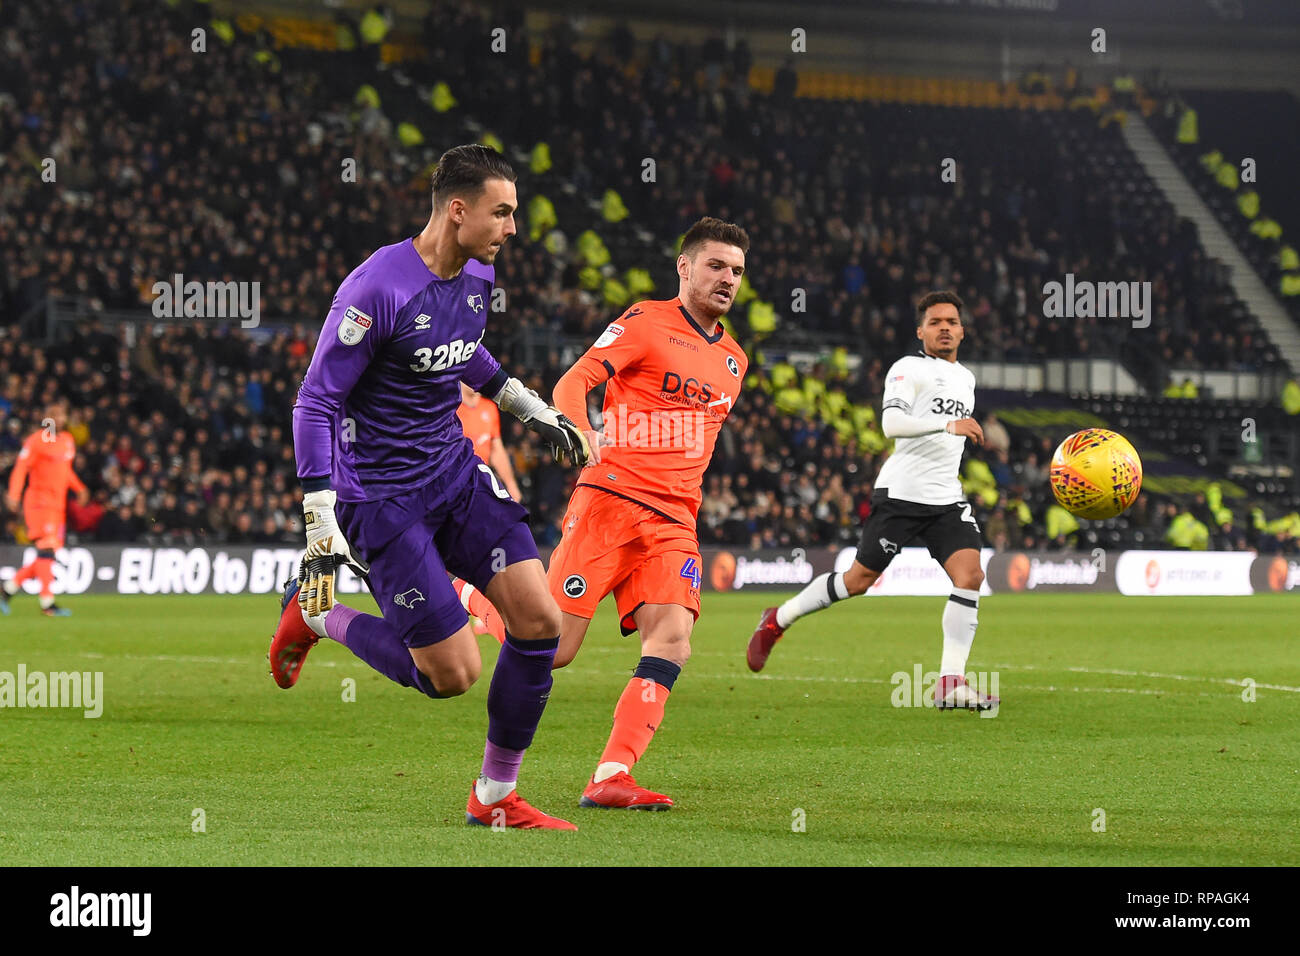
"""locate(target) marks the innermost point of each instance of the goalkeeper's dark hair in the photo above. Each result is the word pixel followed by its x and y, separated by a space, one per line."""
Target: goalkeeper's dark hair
pixel 463 170
pixel 939 297
pixel 716 230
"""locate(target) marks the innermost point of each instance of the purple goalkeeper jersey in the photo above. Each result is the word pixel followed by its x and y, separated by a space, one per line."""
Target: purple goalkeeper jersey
pixel 376 412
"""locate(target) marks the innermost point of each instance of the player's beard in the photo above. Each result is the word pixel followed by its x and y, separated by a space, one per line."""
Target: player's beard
pixel 708 308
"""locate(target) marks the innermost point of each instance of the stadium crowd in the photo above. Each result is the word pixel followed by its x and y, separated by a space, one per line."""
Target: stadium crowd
pixel 183 439
pixel 217 166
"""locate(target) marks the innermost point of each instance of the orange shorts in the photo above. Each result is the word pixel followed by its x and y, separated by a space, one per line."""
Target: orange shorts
pixel 611 544
pixel 45 528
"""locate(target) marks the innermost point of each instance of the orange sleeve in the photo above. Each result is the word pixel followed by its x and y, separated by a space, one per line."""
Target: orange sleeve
pixel 19 476
pixel 618 349
pixel 572 388
pixel 75 483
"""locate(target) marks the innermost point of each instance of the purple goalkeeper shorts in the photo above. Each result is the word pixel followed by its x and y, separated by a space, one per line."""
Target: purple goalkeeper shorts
pixel 465 524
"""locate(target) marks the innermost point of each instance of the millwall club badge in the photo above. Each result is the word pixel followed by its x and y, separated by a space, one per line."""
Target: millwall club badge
pixel 733 366
pixel 354 326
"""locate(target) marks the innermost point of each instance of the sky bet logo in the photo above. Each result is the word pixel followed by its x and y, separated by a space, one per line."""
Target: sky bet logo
pixel 693 390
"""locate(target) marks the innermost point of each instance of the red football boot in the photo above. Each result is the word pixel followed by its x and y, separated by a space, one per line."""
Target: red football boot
pixel 765 636
pixel 513 811
pixel 955 693
pixel 621 792
pixel 292 639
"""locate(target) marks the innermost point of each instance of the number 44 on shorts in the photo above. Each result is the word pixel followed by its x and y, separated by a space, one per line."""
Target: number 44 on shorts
pixel 691 571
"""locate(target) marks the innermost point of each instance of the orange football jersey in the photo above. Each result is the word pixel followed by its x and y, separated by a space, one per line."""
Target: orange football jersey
pixel 46 468
pixel 671 386
pixel 482 423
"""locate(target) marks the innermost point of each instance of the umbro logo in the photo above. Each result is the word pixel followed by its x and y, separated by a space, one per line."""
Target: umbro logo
pixel 887 546
pixel 408 598
pixel 422 321
pixel 475 302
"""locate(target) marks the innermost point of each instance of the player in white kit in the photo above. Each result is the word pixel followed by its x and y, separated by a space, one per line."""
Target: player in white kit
pixel 928 406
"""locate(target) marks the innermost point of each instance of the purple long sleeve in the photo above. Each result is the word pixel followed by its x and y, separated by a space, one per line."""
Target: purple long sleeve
pixel 481 368
pixel 335 369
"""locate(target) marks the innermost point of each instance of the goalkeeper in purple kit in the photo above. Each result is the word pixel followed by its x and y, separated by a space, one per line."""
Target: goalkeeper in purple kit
pixel 393 489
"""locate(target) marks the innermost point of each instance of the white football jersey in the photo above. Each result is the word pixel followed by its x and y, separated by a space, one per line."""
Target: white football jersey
pixel 925 469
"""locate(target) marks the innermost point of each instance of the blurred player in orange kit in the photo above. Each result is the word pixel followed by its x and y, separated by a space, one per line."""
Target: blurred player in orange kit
pixel 674 375
pixel 44 466
pixel 482 423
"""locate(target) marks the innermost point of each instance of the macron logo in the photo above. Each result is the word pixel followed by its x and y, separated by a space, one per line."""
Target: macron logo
pixel 103 909
pixel 408 598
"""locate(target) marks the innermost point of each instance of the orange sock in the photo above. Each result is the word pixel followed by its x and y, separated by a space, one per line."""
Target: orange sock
pixel 477 604
pixel 638 715
pixel 45 573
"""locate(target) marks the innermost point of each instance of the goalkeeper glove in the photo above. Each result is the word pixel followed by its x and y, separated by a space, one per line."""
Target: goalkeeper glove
pixel 565 438
pixel 327 549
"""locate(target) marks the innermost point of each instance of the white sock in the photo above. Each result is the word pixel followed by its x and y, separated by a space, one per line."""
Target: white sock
pixel 47 601
pixel 10 588
pixel 491 791
pixel 317 623
pixel 821 592
pixel 465 593
pixel 606 770
pixel 960 618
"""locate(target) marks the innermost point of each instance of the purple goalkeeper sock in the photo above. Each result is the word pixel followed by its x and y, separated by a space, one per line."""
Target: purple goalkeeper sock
pixel 521 682
pixel 501 763
pixel 374 641
pixel 337 621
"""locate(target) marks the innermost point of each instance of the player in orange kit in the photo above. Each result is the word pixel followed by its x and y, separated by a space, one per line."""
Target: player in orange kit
pixel 674 375
pixel 45 467
pixel 482 424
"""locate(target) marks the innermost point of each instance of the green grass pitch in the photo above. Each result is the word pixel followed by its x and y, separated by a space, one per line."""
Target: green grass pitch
pixel 1131 706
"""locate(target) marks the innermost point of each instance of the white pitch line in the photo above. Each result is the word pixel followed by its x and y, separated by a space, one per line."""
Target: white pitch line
pixel 873 680
pixel 186 659
pixel 734 655
pixel 793 678
pixel 1233 681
